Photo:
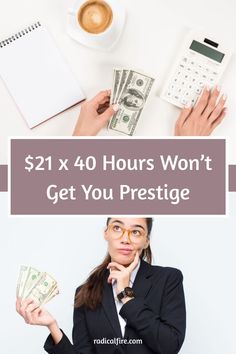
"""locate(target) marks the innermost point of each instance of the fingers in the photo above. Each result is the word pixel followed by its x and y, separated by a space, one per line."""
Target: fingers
pixel 28 317
pixel 31 307
pixel 31 314
pixel 211 102
pixel 116 265
pixel 186 111
pixel 113 275
pixel 18 304
pixel 101 98
pixel 37 312
pixel 134 263
pixel 184 115
pixel 136 258
pixel 23 305
pixel 26 308
pixel 203 101
pixel 218 120
pixel 218 109
pixel 115 269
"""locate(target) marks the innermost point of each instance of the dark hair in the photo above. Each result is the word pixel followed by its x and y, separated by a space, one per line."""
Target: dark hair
pixel 90 293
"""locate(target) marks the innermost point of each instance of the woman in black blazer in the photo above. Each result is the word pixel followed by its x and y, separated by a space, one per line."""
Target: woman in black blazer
pixel 126 306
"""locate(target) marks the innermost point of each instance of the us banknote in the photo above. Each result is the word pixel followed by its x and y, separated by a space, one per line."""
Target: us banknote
pixel 130 90
pixel 35 285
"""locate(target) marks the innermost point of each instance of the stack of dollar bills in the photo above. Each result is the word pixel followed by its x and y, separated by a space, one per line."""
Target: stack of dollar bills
pixel 35 285
pixel 130 90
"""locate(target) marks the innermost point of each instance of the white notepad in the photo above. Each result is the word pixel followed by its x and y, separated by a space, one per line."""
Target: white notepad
pixel 36 75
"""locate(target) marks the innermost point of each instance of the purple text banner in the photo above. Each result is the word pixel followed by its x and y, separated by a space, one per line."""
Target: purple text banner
pixel 118 176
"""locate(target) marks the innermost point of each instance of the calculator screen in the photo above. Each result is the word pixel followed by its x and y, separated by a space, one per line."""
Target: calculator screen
pixel 207 51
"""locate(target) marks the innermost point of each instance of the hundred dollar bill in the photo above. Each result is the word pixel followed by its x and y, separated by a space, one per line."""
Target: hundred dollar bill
pixel 132 100
pixel 21 280
pixel 116 81
pixel 43 289
pixel 123 78
pixel 33 277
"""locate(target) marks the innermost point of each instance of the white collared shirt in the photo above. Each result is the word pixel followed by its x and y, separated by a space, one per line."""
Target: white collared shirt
pixel 118 303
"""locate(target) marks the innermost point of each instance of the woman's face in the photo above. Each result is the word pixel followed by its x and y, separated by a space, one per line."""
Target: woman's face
pixel 126 236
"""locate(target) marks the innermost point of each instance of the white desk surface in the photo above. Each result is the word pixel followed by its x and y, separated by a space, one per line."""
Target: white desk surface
pixel 153 32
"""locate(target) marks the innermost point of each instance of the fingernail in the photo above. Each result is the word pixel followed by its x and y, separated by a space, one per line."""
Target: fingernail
pixel 188 106
pixel 207 88
pixel 224 97
pixel 218 87
pixel 116 107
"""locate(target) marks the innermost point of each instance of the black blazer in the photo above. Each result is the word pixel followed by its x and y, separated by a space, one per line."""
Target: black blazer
pixel 157 316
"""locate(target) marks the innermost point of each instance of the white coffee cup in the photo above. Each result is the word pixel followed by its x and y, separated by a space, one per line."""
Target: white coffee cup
pixel 100 40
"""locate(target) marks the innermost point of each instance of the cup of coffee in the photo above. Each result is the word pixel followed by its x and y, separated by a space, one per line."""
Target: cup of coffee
pixel 95 16
pixel 96 23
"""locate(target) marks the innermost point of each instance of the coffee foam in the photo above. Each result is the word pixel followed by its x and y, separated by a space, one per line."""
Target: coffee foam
pixel 95 16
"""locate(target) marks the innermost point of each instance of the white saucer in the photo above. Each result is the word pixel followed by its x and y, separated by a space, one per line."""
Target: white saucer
pixel 104 41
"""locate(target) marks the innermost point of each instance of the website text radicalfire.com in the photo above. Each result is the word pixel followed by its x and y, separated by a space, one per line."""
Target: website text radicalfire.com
pixel 117 341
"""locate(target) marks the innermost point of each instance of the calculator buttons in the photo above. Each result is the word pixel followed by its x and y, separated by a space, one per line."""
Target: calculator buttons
pixel 191 76
pixel 172 87
pixel 200 84
pixel 178 73
pixel 184 101
pixel 186 76
pixel 211 80
pixel 198 90
pixel 187 94
pixel 194 100
pixel 178 90
pixel 193 80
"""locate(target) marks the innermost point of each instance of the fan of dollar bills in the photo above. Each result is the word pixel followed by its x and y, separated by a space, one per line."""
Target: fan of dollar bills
pixel 130 90
pixel 36 285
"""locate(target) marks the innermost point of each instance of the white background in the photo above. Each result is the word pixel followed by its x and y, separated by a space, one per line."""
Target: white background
pixel 152 36
pixel 69 248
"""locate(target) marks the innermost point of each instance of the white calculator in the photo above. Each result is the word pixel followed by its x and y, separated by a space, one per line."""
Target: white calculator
pixel 201 62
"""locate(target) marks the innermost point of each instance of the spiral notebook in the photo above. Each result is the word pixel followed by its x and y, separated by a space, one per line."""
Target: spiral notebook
pixel 36 75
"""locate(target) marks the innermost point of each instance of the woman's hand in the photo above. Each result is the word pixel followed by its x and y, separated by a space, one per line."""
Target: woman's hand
pixel 33 314
pixel 121 274
pixel 95 114
pixel 202 119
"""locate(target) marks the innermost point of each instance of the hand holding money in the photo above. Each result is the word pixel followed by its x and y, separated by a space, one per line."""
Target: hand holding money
pixel 95 114
pixel 33 314
pixel 130 91
pixel 35 288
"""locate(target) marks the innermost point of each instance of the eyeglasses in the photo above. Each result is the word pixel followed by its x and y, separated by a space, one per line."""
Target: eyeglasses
pixel 134 234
